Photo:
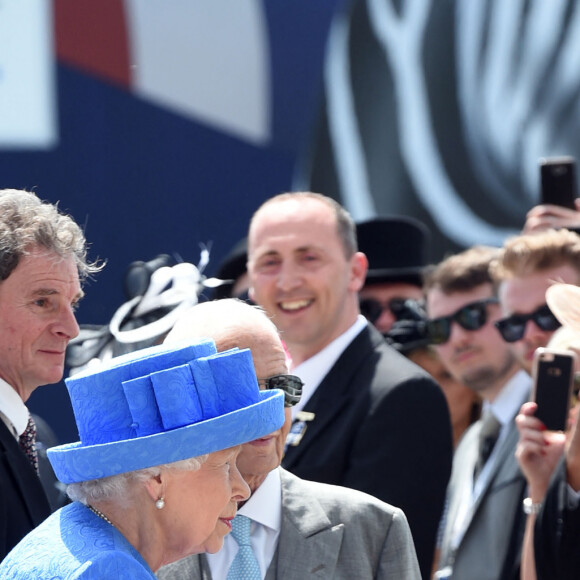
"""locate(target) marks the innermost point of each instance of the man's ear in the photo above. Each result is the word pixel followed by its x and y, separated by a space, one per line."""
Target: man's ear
pixel 359 266
pixel 251 294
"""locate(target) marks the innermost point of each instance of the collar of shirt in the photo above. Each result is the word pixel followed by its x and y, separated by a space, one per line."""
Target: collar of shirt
pixel 265 505
pixel 508 402
pixel 313 370
pixel 13 408
pixel 264 508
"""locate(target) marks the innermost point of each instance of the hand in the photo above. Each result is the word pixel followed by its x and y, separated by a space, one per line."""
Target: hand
pixel 538 451
pixel 542 217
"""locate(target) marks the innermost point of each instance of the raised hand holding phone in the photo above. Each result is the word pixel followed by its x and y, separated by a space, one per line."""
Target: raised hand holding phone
pixel 559 205
pixel 558 181
pixel 553 376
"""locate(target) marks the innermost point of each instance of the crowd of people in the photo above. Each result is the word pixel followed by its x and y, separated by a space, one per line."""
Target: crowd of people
pixel 336 408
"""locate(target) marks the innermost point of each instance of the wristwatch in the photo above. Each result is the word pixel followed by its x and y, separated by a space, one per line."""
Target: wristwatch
pixel 530 507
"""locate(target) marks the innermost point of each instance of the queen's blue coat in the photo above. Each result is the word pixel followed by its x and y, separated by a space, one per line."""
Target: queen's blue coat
pixel 75 543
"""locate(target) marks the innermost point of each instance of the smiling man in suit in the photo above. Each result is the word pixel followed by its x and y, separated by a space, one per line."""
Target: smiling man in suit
pixel 369 418
pixel 42 263
pixel 298 529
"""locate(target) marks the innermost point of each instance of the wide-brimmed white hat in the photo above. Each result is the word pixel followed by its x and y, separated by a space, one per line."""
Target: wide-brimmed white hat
pixel 164 404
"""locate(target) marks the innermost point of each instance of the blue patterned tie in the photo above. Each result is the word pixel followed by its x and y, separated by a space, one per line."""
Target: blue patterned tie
pixel 245 566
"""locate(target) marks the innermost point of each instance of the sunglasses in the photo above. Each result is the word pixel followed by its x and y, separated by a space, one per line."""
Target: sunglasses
pixel 470 317
pixel 513 327
pixel 290 384
pixel 372 309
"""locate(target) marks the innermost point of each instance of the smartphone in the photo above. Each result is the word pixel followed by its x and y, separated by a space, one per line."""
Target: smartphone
pixel 553 378
pixel 558 181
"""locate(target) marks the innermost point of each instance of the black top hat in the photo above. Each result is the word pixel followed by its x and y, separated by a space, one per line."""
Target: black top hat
pixel 231 268
pixel 396 248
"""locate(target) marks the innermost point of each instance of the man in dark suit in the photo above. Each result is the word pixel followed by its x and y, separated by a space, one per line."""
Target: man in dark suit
pixel 42 261
pixel 392 299
pixel 369 418
pixel 298 529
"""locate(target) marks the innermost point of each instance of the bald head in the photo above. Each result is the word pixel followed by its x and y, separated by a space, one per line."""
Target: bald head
pixel 232 323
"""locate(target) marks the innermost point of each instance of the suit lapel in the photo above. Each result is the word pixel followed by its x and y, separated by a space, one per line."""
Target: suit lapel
pixel 309 545
pixel 27 482
pixel 334 392
pixel 505 469
pixel 461 482
pixel 202 570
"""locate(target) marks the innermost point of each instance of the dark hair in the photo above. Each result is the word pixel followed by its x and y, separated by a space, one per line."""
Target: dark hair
pixel 463 271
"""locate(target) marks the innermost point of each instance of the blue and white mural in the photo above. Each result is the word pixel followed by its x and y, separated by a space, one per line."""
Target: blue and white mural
pixel 443 109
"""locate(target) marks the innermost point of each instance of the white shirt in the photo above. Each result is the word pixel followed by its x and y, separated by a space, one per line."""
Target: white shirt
pixel 313 370
pixel 264 508
pixel 13 411
pixel 505 407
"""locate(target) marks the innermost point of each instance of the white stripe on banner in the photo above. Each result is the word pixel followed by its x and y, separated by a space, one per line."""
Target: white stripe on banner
pixel 27 75
pixel 206 60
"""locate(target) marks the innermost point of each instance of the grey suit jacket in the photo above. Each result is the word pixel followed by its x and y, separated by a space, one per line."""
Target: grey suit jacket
pixel 328 532
pixel 491 546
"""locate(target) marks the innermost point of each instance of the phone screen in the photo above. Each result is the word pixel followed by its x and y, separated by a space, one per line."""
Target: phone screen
pixel 558 181
pixel 553 378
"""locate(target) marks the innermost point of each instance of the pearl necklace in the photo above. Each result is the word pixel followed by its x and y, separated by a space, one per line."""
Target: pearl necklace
pixel 100 514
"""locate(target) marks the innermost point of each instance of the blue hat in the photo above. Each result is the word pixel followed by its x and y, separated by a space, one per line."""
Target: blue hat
pixel 164 404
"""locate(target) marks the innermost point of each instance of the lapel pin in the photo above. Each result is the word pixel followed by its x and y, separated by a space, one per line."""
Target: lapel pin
pixel 299 428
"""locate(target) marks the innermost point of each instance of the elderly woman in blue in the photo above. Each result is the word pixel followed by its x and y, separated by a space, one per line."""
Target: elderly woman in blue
pixel 153 478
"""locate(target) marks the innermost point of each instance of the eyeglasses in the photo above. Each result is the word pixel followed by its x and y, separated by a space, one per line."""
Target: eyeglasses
pixel 472 316
pixel 372 309
pixel 513 327
pixel 290 384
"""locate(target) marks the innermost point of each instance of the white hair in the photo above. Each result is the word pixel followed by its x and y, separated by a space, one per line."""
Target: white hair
pixel 118 487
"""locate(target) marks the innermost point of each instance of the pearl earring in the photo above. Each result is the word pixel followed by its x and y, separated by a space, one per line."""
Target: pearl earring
pixel 160 503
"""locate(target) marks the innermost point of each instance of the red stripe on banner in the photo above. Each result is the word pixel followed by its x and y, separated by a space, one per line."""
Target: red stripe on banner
pixel 92 35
